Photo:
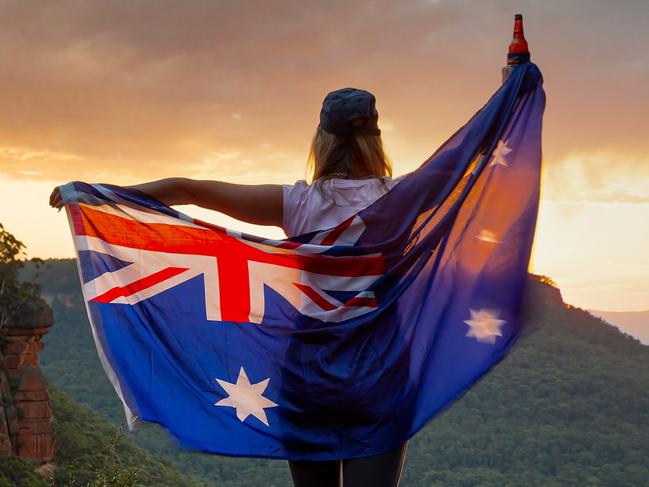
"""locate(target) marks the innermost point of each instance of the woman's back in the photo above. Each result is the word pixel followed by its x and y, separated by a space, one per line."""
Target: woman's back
pixel 322 205
pixel 318 206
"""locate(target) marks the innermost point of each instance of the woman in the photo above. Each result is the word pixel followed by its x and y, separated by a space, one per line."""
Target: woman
pixel 350 171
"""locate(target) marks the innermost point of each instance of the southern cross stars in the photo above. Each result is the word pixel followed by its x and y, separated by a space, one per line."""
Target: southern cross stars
pixel 246 398
pixel 487 236
pixel 499 153
pixel 484 326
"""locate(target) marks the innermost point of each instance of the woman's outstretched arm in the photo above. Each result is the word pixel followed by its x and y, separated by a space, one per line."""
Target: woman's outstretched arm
pixel 261 204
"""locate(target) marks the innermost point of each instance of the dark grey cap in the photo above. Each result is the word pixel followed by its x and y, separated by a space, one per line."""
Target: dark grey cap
pixel 349 111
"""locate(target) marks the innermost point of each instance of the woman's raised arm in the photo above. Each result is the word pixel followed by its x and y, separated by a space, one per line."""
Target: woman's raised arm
pixel 260 204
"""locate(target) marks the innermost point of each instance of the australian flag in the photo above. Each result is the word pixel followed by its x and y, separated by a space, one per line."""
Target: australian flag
pixel 340 343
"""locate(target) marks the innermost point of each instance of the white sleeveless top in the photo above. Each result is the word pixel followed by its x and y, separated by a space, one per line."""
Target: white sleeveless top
pixel 308 207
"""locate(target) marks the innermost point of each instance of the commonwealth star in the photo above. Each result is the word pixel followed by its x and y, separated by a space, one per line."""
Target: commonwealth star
pixel 246 398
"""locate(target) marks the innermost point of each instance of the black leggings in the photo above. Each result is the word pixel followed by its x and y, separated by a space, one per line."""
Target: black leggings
pixel 377 471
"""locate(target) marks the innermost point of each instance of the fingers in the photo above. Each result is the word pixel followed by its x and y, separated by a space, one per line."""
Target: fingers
pixel 55 199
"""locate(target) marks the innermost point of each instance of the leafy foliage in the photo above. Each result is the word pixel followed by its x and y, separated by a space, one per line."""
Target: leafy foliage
pixel 14 294
pixel 14 471
pixel 568 406
pixel 92 452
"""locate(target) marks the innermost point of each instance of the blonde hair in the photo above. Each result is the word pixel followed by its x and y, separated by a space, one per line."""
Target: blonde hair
pixel 333 155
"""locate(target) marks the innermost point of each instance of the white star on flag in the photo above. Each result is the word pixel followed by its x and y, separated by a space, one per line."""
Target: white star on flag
pixel 246 398
pixel 484 326
pixel 499 153
pixel 487 236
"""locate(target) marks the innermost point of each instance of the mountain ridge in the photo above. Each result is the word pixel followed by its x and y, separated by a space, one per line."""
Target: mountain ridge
pixel 634 323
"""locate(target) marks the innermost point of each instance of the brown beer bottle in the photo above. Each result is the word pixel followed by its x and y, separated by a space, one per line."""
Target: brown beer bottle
pixel 518 51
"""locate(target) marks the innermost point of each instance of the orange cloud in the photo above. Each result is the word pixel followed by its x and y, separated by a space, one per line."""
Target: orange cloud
pixel 137 89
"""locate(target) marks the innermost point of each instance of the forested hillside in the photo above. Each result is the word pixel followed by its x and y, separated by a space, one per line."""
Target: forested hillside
pixel 569 405
pixel 91 449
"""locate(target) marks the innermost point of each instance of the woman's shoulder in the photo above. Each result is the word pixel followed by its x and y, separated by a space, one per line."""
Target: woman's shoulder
pixel 329 199
pixel 303 185
pixel 296 190
pixel 302 189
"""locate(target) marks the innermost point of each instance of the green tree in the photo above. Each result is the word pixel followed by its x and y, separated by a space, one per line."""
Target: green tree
pixel 14 294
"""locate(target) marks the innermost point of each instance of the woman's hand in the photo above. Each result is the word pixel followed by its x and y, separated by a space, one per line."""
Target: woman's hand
pixel 55 199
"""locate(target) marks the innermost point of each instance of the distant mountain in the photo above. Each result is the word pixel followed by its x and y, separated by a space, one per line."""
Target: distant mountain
pixel 634 323
pixel 568 406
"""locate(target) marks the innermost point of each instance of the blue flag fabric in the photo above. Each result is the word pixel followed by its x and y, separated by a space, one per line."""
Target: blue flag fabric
pixel 337 344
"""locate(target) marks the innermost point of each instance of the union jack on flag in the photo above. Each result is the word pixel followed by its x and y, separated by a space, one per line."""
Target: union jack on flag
pixel 335 344
pixel 169 250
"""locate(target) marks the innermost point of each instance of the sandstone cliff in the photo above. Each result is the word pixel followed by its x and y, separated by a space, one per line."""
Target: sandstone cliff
pixel 26 417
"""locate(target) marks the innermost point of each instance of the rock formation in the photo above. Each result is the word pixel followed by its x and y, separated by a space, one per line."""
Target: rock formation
pixel 26 416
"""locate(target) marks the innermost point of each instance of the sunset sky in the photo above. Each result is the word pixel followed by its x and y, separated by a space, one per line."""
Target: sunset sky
pixel 129 91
